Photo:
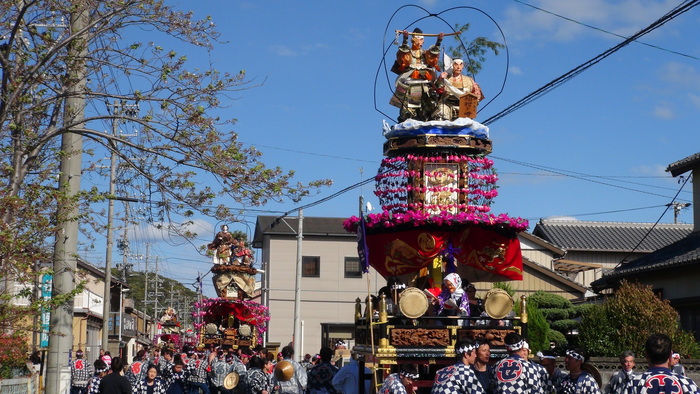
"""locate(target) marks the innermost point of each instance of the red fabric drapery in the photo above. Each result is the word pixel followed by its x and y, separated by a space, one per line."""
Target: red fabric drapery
pixel 403 252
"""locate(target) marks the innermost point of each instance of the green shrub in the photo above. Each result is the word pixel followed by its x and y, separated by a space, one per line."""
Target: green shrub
pixel 565 325
pixel 581 309
pixel 558 339
pixel 553 314
pixel 625 320
pixel 549 300
pixel 537 329
pixel 596 336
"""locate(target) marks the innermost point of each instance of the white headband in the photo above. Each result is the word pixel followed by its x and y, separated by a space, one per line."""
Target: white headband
pixel 467 348
pixel 409 375
pixel 574 355
pixel 517 346
pixel 544 357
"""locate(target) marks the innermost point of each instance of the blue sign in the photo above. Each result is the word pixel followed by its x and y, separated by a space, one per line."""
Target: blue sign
pixel 46 288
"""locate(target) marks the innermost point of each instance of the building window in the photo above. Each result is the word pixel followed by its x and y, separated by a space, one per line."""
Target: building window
pixel 311 266
pixel 352 267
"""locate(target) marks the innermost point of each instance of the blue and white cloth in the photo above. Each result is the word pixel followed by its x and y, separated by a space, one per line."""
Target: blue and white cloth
pixel 516 375
pixel 458 378
pixel 657 380
pixel 583 384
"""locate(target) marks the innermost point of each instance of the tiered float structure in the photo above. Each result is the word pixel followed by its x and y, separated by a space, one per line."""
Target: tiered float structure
pixel 435 186
pixel 231 320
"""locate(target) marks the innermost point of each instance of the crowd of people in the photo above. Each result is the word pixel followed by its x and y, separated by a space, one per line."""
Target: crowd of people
pixel 210 371
pixel 517 373
pixel 195 371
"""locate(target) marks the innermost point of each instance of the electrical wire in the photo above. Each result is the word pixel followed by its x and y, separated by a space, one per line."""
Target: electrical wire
pixel 584 177
pixel 686 6
pixel 605 31
pixel 668 206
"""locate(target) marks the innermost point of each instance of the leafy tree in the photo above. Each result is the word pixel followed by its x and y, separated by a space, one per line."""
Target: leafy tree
pixel 473 53
pixel 625 320
pixel 537 328
pixel 182 134
pixel 559 313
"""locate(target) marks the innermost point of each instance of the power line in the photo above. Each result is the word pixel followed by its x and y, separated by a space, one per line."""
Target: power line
pixel 606 212
pixel 668 206
pixel 604 31
pixel 586 177
pixel 687 6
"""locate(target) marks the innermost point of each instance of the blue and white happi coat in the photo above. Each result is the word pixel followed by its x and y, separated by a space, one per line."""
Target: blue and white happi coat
pixel 458 378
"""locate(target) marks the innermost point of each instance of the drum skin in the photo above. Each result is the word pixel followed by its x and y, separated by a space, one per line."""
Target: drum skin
pixel 498 303
pixel 413 303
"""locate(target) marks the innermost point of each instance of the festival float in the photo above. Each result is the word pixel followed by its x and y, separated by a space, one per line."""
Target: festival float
pixel 436 229
pixel 231 320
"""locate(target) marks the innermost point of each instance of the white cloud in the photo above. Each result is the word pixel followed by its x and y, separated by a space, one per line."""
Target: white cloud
pixel 694 99
pixel 281 50
pixel 515 70
pixel 650 170
pixel 170 232
pixel 302 50
pixel 663 111
pixel 621 17
pixel 680 75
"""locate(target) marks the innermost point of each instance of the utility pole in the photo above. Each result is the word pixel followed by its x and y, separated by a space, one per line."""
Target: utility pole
pixel 65 260
pixel 145 282
pixel 106 307
pixel 677 206
pixel 118 109
pixel 297 289
pixel 157 290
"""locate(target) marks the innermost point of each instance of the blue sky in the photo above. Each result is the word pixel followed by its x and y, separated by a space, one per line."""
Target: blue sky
pixel 594 149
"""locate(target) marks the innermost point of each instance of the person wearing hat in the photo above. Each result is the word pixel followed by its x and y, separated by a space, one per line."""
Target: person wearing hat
pixel 659 375
pixel 320 378
pixel 289 376
pixel 417 69
pixel 402 382
pixel 621 381
pixel 107 358
pixel 101 370
pixel 675 364
pixel 415 58
pixel 515 373
pixel 460 377
pixel 578 380
pixel 80 373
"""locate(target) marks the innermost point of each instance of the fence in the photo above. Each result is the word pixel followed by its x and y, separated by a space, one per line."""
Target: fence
pixel 18 386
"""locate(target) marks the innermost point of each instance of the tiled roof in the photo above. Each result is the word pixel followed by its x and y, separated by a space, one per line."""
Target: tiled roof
pixel 683 165
pixel 680 253
pixel 289 225
pixel 575 235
